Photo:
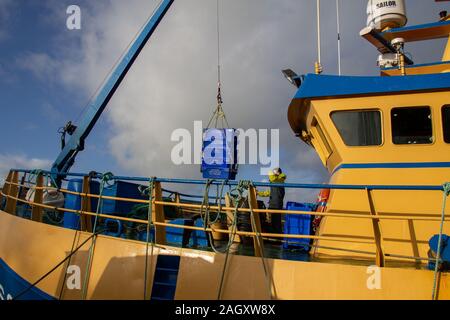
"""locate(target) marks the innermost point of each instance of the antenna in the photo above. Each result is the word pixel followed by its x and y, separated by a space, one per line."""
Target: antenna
pixel 338 36
pixel 318 66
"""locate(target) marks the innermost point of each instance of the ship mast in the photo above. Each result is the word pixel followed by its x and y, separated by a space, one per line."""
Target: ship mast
pixel 318 66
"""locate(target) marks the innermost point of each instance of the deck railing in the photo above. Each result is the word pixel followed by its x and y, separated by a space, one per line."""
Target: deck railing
pixel 11 192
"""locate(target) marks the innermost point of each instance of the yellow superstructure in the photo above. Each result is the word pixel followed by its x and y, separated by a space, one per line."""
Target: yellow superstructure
pixel 392 107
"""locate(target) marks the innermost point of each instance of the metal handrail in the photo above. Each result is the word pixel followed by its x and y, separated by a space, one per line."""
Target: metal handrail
pixel 193 206
pixel 246 210
pixel 243 233
pixel 261 184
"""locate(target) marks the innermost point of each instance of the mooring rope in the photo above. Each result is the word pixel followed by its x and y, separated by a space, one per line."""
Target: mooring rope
pixel 446 189
pixel 149 224
pixel 237 199
pixel 34 284
pixel 104 180
pixel 260 245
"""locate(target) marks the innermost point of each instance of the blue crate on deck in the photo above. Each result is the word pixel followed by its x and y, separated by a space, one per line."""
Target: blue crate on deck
pixel 199 237
pixel 121 189
pixel 297 224
pixel 142 236
pixel 71 220
pixel 219 154
pixel 180 236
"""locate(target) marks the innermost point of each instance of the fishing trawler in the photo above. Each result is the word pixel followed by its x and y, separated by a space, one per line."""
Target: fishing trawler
pixel 378 230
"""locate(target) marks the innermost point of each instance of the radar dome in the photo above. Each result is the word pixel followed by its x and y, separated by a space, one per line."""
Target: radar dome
pixel 382 14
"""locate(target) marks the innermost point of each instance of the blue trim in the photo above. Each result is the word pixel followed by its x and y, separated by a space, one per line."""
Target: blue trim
pixel 13 284
pixel 420 65
pixel 417 27
pixel 395 165
pixel 325 86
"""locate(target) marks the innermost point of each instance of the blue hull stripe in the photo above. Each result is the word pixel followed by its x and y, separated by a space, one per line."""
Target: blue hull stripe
pixel 394 165
pixel 11 284
pixel 325 86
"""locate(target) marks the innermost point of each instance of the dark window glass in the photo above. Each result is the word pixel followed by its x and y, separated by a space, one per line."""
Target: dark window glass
pixel 446 122
pixel 358 128
pixel 411 125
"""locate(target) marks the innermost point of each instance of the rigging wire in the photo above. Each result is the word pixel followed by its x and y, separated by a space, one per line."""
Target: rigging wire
pixel 218 49
pixel 338 36
pixel 34 284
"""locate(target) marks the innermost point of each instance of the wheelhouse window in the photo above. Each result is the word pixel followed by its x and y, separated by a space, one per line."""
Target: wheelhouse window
pixel 411 125
pixel 359 128
pixel 446 122
pixel 320 142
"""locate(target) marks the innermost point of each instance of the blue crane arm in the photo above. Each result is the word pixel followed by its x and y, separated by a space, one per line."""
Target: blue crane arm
pixel 66 158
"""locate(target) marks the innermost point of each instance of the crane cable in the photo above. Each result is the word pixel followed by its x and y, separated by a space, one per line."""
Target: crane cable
pixel 338 27
pixel 218 116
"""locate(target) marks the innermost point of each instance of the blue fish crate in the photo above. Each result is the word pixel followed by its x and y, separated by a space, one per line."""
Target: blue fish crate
pixel 219 154
pixel 72 220
pixel 180 236
pixel 200 238
pixel 299 225
pixel 142 236
pixel 444 252
pixel 121 189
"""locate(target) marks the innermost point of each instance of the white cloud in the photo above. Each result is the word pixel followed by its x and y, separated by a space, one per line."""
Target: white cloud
pixel 7 76
pixel 5 14
pixel 14 161
pixel 173 82
pixel 41 65
pixel 52 113
pixel 3 35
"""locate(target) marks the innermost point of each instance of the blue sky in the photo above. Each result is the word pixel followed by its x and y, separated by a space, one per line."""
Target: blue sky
pixel 35 105
pixel 48 73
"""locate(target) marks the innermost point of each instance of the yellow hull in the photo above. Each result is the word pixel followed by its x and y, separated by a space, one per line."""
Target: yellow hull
pixel 118 270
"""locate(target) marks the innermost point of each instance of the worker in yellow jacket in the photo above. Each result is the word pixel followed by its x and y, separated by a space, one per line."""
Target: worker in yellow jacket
pixel 276 200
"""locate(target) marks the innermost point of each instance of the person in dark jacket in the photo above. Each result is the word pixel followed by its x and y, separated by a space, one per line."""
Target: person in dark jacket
pixel 276 198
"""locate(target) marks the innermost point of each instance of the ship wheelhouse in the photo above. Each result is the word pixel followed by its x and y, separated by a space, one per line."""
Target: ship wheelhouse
pixel 387 130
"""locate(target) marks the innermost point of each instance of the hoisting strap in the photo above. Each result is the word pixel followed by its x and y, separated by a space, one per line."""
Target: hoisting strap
pixel 446 189
pixel 206 216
